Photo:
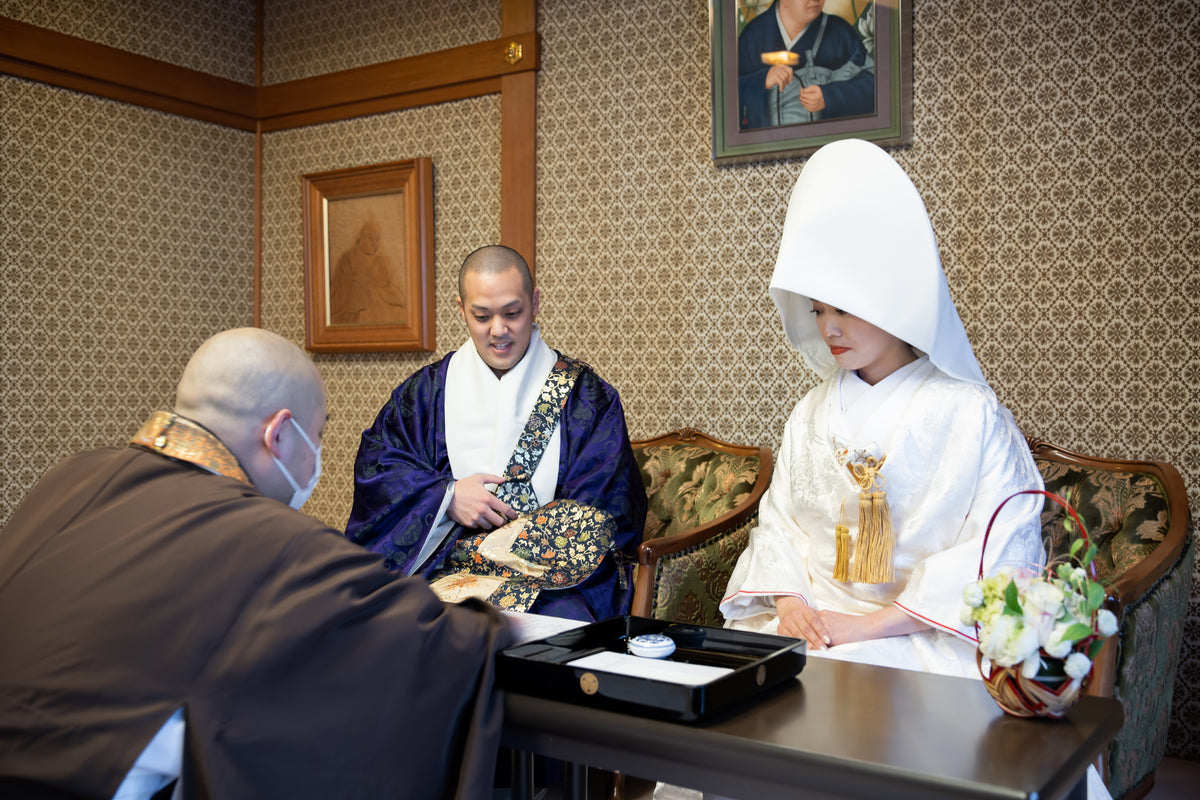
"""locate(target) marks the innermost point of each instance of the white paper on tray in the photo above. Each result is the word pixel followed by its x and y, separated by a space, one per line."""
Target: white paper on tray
pixel 651 668
pixel 531 627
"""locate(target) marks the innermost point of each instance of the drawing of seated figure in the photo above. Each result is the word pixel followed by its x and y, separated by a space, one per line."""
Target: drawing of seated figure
pixel 366 288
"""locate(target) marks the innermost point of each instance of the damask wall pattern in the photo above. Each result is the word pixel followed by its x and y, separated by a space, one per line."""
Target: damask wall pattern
pixel 302 38
pixel 1058 154
pixel 463 139
pixel 1064 196
pixel 213 36
pixel 126 239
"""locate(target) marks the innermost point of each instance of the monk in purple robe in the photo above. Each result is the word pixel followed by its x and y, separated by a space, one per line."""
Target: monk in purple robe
pixel 447 459
pixel 166 618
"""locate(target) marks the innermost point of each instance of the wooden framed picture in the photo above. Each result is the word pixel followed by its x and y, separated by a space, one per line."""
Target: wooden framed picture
pixel 368 258
pixel 791 75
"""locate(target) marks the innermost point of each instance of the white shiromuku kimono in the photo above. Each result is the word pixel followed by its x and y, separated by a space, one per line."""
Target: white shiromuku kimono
pixel 953 455
pixel 857 238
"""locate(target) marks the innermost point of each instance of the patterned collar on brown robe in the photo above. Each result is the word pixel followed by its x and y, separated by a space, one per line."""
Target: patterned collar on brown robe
pixel 181 439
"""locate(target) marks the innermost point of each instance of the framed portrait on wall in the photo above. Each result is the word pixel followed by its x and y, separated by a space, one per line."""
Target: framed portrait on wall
pixel 791 75
pixel 368 258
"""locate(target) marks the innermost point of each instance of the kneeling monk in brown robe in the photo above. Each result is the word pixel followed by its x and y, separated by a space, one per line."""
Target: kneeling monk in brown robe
pixel 164 615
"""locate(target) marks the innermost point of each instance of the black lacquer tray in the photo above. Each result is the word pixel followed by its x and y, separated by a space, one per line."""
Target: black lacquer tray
pixel 758 661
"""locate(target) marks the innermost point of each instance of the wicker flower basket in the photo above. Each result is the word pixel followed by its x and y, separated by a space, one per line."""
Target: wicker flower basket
pixel 1024 697
pixel 1051 693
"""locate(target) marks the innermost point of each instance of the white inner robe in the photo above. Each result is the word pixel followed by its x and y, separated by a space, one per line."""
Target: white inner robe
pixel 485 417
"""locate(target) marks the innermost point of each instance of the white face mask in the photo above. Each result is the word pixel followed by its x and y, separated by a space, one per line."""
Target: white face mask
pixel 300 494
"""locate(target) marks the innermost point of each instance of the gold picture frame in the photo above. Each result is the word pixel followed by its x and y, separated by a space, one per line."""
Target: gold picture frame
pixel 368 258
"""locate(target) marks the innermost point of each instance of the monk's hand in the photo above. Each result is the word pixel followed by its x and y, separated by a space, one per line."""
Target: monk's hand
pixel 778 75
pixel 801 621
pixel 812 98
pixel 475 506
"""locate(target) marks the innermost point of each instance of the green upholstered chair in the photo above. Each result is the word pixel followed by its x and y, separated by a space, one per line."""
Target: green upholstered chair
pixel 1136 512
pixel 703 497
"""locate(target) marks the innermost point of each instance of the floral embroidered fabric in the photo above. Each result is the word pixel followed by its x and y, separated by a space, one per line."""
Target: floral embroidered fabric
pixel 688 485
pixel 553 547
pixel 517 490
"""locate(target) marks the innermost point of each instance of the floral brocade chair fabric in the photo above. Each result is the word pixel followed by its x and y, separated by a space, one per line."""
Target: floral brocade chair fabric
pixel 1137 515
pixel 703 497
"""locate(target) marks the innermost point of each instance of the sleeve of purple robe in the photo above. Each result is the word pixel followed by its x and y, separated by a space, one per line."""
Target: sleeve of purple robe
pixel 402 470
pixel 597 467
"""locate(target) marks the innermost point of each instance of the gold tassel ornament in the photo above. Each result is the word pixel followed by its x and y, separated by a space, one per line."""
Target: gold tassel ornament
pixel 841 566
pixel 876 541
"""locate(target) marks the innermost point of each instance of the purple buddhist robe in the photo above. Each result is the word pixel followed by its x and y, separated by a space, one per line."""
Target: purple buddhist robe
pixel 403 469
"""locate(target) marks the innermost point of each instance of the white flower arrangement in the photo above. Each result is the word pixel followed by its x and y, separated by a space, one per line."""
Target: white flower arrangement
pixel 1047 620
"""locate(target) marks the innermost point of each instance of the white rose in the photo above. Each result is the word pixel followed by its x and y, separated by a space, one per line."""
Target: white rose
pixel 991 637
pixel 973 595
pixel 965 615
pixel 1006 641
pixel 1026 645
pixel 1055 645
pixel 1078 665
pixel 1106 622
pixel 1043 598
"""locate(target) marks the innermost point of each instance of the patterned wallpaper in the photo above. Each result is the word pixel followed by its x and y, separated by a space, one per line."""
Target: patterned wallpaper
pixel 126 239
pixel 463 139
pixel 1064 199
pixel 1063 183
pixel 213 36
pixel 1058 154
pixel 302 38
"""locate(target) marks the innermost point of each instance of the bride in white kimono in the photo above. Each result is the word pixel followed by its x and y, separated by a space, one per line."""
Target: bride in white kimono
pixel 903 412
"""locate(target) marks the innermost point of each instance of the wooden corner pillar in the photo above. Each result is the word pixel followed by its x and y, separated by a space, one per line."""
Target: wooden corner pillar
pixel 518 137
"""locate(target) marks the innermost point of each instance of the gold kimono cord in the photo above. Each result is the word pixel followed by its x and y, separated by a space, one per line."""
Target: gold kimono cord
pixel 876 540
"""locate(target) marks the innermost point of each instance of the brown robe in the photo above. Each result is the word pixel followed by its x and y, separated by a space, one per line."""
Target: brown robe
pixel 132 584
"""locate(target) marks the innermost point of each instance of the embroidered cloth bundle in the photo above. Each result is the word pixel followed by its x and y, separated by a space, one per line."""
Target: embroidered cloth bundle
pixel 555 546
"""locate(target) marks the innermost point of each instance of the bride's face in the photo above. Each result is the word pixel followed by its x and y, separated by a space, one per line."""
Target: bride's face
pixel 860 346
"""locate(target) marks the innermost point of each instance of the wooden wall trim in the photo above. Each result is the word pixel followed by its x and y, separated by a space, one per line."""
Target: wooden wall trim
pixel 380 105
pixel 517 16
pixel 472 70
pixel 445 68
pixel 72 63
pixel 518 165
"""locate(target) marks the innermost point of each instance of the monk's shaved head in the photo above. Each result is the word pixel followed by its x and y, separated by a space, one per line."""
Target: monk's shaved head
pixel 241 377
pixel 492 260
